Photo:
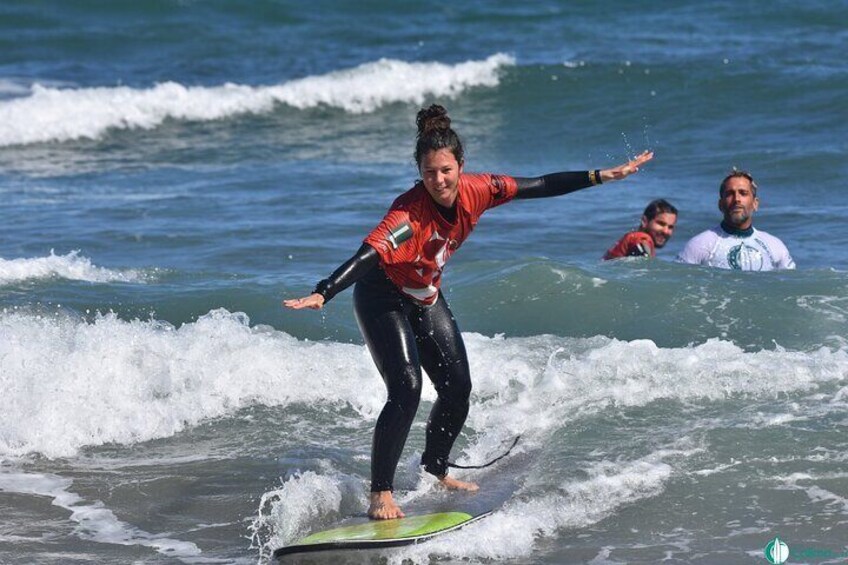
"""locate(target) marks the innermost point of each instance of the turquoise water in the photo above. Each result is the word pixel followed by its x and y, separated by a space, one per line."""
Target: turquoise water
pixel 169 171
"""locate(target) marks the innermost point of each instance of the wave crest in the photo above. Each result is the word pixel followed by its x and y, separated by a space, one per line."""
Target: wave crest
pixel 71 266
pixel 59 114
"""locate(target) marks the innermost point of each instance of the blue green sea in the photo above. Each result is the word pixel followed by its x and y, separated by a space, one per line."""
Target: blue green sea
pixel 170 170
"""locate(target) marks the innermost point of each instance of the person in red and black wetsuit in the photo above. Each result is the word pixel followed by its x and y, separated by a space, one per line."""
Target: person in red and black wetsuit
pixel 404 317
pixel 655 229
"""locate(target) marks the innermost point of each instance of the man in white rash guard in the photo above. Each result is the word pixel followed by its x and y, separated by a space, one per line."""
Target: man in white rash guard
pixel 735 243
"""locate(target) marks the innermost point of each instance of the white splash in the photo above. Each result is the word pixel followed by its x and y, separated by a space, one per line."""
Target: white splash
pixel 71 266
pixel 67 383
pixel 286 514
pixel 512 532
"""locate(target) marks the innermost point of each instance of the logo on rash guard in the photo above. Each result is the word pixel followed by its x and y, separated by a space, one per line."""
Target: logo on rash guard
pixel 399 234
pixel 498 187
pixel 439 249
pixel 745 257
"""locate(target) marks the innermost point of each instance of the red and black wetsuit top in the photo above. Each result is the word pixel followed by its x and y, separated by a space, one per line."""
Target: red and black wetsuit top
pixel 415 240
pixel 633 244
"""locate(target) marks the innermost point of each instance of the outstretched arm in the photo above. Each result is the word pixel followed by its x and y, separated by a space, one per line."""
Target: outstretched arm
pixel 365 259
pixel 557 184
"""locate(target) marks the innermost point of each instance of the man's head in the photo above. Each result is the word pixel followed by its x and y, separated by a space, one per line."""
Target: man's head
pixel 738 199
pixel 658 221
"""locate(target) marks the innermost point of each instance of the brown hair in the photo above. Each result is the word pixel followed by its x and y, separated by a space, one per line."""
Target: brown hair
pixel 659 206
pixel 435 132
pixel 734 174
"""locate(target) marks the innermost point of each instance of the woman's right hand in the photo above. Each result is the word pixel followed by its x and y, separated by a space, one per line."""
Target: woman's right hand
pixel 313 301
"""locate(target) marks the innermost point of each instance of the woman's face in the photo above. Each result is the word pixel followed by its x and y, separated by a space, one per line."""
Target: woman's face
pixel 440 172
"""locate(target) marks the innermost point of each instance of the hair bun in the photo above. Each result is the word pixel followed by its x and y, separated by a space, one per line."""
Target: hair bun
pixel 435 133
pixel 434 118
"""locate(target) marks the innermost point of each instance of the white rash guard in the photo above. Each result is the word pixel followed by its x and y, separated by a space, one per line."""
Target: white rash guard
pixel 749 250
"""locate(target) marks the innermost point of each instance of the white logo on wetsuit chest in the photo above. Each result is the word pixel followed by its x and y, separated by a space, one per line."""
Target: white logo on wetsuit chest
pixel 745 257
pixel 439 248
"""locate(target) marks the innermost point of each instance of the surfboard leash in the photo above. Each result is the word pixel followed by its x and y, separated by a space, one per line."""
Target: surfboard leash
pixel 490 463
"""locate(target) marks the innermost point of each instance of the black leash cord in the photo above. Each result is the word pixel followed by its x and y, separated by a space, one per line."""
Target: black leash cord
pixel 490 463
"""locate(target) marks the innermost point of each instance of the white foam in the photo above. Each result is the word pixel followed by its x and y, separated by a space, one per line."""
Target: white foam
pixel 95 521
pixel 512 532
pixel 68 383
pixel 513 378
pixel 71 266
pixel 54 114
pixel 535 386
pixel 833 308
pixel 11 87
pixel 818 494
pixel 531 386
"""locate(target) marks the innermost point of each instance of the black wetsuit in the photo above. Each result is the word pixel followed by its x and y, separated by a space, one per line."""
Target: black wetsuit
pixel 403 336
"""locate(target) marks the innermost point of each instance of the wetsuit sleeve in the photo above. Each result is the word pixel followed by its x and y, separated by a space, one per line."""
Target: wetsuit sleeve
pixel 365 259
pixel 554 184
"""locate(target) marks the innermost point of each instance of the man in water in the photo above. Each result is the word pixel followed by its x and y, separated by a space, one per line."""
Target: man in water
pixel 735 243
pixel 655 229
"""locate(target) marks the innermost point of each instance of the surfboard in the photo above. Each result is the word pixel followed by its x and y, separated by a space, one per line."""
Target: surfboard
pixel 375 534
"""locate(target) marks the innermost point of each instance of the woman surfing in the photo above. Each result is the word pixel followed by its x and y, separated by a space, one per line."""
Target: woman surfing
pixel 403 315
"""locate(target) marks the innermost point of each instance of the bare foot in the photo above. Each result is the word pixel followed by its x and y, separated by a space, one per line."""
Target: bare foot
pixel 455 484
pixel 383 506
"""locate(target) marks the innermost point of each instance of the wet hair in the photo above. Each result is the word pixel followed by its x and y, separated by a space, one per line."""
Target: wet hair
pixel 435 132
pixel 658 206
pixel 734 174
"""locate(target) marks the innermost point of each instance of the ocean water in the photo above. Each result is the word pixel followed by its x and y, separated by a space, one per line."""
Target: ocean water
pixel 170 170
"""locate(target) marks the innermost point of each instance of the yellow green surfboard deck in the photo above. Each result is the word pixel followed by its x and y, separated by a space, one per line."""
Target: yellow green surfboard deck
pixel 381 533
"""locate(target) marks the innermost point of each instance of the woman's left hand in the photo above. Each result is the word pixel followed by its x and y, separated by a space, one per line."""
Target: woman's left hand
pixel 626 169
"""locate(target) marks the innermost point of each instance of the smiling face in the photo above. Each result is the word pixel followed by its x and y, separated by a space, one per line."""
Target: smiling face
pixel 440 172
pixel 738 202
pixel 660 228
